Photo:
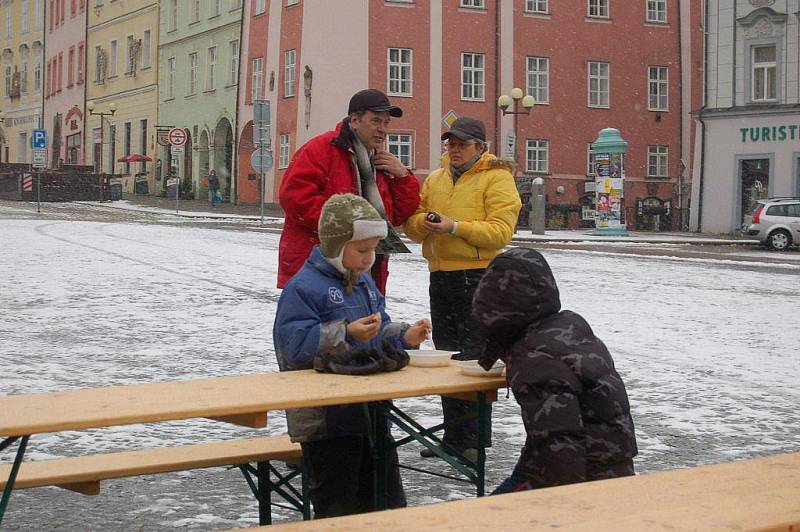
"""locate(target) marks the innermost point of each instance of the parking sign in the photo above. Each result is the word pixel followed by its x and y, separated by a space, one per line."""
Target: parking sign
pixel 39 138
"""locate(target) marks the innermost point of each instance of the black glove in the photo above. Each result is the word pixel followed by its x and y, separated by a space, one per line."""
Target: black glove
pixel 358 362
pixel 393 359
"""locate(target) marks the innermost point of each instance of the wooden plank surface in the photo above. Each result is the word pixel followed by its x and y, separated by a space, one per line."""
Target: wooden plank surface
pixel 761 494
pixel 74 473
pixel 222 397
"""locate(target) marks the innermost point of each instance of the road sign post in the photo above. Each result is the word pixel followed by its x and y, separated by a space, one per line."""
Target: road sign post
pixel 177 138
pixel 261 161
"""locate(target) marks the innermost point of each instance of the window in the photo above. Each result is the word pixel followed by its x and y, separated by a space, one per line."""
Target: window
pixel 112 147
pixel 539 79
pixel 126 146
pixel 80 63
pixel 195 11
pixel 171 77
pixel 400 72
pixel 8 81
pixel 37 76
pixel 234 65
pixel 657 11
pixel 788 209
pixel 130 55
pixel 283 151
pixel 142 142
pixel 537 155
pixel 261 6
pixel 211 68
pixel 472 76
pixel 658 88
pixel 590 166
pixel 291 2
pixel 236 4
pixel 191 87
pixel 70 67
pixel 23 79
pixel 400 147
pixel 216 7
pixel 60 70
pixel 657 157
pixel 173 16
pixel 37 14
pixel 258 78
pixel 24 15
pixel 98 53
pixel 74 148
pixel 112 59
pixel 474 4
pixel 764 72
pixel 9 23
pixel 146 49
pixel 598 84
pixel 598 8
pixel 536 6
pixel 288 73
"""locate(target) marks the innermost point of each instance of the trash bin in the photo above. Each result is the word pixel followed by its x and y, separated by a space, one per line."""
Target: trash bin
pixel 115 188
pixel 140 185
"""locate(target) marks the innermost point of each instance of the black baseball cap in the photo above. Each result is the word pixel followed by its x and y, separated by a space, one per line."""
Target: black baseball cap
pixel 466 128
pixel 373 100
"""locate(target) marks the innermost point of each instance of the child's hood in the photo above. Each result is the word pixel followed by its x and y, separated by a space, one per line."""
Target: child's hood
pixel 517 289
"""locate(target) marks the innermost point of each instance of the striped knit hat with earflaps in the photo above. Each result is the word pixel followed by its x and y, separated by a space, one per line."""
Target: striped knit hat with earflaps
pixel 344 218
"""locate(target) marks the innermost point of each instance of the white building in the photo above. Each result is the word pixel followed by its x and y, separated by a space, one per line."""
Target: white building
pixel 748 139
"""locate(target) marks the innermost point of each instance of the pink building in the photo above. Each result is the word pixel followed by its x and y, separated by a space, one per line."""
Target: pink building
pixel 65 73
pixel 590 64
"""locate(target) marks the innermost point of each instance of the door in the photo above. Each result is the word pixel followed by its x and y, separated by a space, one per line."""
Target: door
pixel 755 185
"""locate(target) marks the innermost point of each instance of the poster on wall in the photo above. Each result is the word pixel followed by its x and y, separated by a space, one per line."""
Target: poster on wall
pixel 609 183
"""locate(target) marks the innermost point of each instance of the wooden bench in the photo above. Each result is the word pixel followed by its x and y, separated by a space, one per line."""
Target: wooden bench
pixel 760 494
pixel 83 474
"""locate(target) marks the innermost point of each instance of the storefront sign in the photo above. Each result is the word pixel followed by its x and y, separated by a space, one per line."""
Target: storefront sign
pixel 770 133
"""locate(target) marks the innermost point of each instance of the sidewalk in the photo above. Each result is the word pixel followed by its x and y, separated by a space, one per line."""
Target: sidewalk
pixel 202 209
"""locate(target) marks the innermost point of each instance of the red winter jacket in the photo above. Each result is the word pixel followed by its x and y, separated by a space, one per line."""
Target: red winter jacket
pixel 322 167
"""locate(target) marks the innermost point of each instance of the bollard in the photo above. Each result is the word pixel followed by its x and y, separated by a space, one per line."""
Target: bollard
pixel 536 216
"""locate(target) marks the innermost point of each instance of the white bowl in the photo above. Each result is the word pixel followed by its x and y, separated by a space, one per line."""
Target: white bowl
pixel 429 358
pixel 473 369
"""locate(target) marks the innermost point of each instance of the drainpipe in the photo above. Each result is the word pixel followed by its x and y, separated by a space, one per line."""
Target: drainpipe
pixel 235 166
pixel 497 76
pixel 702 170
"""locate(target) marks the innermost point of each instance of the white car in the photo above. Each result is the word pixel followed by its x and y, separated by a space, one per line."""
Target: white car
pixel 776 223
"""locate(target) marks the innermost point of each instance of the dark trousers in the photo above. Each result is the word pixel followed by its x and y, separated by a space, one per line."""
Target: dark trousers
pixel 341 480
pixel 455 329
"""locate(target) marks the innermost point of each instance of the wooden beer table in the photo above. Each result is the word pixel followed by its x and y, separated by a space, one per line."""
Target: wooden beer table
pixel 245 400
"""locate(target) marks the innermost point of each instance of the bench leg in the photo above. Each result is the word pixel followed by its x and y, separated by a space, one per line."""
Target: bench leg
pixel 12 477
pixel 304 491
pixel 265 489
pixel 480 469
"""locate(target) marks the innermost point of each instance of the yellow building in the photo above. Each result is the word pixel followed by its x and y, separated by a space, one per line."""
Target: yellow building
pixel 21 34
pixel 122 78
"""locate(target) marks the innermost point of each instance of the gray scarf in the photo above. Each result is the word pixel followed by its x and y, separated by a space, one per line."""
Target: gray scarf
pixel 367 186
pixel 458 171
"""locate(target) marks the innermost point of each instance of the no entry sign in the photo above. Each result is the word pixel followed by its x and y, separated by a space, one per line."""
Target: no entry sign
pixel 177 136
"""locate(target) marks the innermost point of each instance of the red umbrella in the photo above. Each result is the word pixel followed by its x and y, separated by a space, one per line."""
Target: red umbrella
pixel 134 158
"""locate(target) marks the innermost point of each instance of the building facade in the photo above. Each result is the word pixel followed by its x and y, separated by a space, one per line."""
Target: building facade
pixel 749 125
pixel 23 52
pixel 199 55
pixel 64 81
pixel 448 58
pixel 122 42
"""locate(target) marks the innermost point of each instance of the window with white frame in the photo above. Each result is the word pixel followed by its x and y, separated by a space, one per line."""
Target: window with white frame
pixel 216 8
pixel 211 69
pixel 590 166
pixel 598 8
pixel 130 59
pixel 233 71
pixel 9 23
pixel 8 81
pixel 112 59
pixel 289 57
pixel 195 11
pixel 400 146
pixel 173 15
pixel 283 151
pixel 658 88
pixel 37 76
pixel 657 159
pixel 98 53
pixel 657 11
pixel 146 49
pixel 25 16
pixel 537 6
pixel 291 2
pixel 537 155
pixel 23 78
pixel 538 76
pixel 599 82
pixel 258 78
pixel 472 76
pixel 171 77
pixel 261 6
pixel 191 85
pixel 764 72
pixel 474 4
pixel 400 71
pixel 38 14
pixel 236 4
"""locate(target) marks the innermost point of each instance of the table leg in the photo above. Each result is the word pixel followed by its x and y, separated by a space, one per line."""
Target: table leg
pixel 481 465
pixel 265 489
pixel 379 455
pixel 12 477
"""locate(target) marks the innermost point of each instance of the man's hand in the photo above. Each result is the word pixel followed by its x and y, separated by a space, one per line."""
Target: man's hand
pixel 418 333
pixel 364 329
pixel 445 226
pixel 386 162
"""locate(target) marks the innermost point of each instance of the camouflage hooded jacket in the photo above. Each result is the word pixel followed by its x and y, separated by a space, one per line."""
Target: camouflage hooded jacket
pixel 574 404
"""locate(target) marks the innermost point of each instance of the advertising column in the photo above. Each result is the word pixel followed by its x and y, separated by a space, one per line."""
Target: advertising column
pixel 609 158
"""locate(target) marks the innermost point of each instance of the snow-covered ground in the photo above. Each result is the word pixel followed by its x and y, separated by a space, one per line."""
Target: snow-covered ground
pixel 708 352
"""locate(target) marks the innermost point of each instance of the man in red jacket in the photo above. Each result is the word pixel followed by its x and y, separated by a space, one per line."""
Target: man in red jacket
pixel 351 159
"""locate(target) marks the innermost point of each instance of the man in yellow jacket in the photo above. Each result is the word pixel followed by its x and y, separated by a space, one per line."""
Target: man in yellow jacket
pixel 466 216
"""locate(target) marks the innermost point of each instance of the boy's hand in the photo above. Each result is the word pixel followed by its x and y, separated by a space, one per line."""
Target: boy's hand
pixel 364 329
pixel 418 333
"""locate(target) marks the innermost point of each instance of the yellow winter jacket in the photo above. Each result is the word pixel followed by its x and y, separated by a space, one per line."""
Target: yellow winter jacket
pixel 485 203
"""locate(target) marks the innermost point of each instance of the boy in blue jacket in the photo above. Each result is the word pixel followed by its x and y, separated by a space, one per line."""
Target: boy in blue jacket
pixel 332 307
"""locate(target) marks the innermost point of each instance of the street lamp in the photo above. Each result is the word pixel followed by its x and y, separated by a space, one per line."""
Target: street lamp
pixel 504 102
pixel 112 108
